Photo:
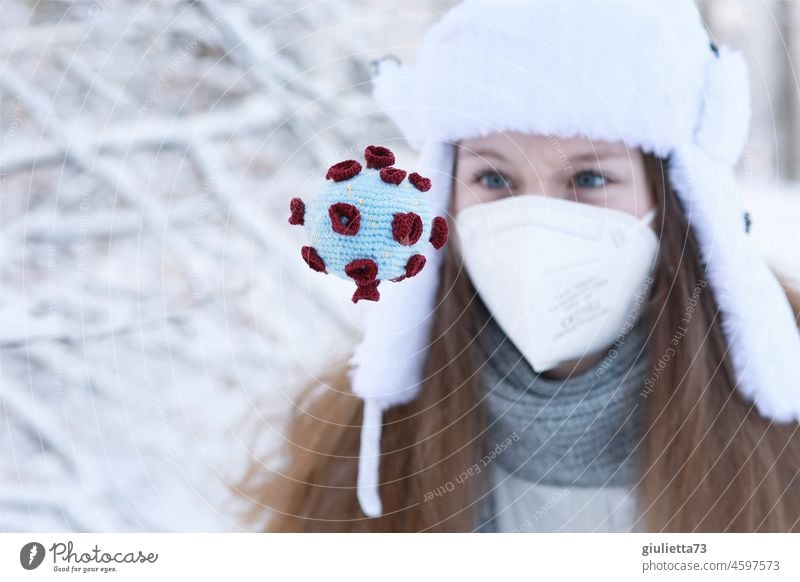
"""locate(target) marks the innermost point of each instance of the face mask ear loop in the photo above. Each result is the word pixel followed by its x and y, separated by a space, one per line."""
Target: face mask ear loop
pixel 369 459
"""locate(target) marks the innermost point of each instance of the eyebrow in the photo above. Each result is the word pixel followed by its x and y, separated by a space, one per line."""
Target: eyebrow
pixel 600 153
pixel 483 153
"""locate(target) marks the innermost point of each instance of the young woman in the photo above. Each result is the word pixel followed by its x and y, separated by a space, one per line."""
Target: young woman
pixel 599 347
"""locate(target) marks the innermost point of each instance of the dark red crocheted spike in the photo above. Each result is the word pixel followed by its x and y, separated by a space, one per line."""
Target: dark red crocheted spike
pixel 406 228
pixel 392 175
pixel 369 292
pixel 362 271
pixel 414 265
pixel 312 259
pixel 298 208
pixel 343 170
pixel 420 183
pixel 378 157
pixel 345 218
pixel 439 232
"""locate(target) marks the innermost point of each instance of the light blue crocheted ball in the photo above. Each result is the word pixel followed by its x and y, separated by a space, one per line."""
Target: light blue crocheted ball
pixel 369 224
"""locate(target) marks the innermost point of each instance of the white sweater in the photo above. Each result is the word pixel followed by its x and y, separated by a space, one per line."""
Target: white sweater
pixel 521 506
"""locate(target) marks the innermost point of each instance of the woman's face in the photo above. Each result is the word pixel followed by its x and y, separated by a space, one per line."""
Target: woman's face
pixel 607 174
pixel 578 169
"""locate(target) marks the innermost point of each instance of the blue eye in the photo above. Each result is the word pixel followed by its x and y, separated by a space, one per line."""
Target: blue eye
pixel 493 180
pixel 590 179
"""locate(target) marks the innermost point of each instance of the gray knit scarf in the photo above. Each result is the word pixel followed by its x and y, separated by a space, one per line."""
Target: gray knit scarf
pixel 582 431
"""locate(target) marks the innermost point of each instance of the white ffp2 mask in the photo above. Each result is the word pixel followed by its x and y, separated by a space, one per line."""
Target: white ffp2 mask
pixel 561 277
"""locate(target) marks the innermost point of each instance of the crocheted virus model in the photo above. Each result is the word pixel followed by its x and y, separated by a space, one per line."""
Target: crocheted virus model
pixel 369 224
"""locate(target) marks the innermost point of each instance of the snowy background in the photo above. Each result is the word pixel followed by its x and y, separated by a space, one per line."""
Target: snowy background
pixel 155 316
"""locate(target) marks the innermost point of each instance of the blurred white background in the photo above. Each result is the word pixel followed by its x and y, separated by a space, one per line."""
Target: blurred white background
pixel 153 296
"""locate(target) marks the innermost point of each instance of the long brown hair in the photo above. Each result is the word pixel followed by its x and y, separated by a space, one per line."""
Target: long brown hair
pixel 707 460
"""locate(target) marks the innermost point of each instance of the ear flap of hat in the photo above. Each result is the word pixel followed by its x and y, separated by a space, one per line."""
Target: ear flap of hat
pixel 387 363
pixel 725 118
pixel 757 321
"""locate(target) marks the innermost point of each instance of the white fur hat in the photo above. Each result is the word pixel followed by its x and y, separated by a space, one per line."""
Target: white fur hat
pixel 645 73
